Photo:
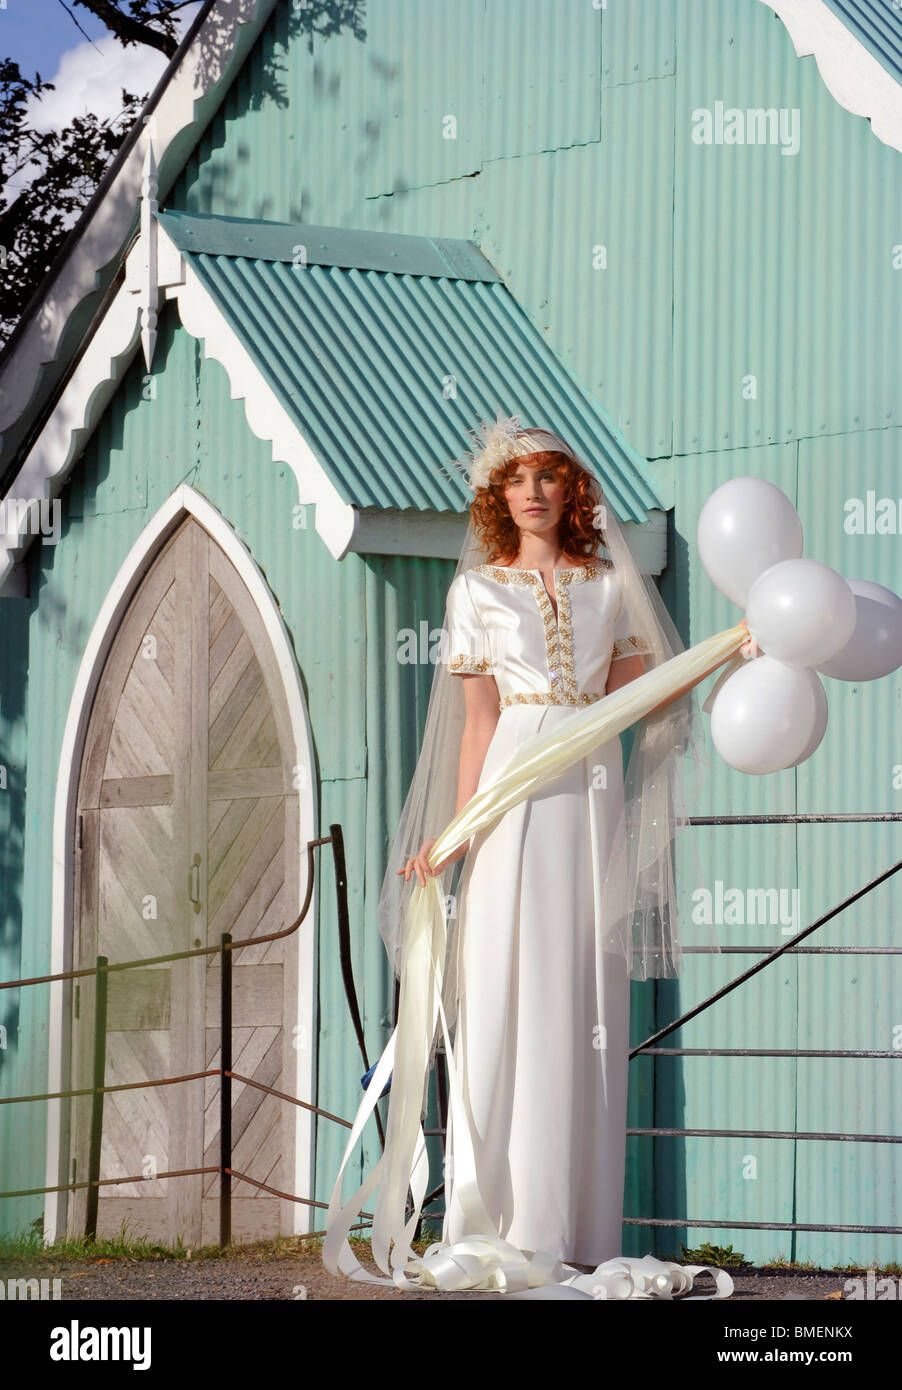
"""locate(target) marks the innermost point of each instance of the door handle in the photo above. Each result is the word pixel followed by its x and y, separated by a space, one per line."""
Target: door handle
pixel 194 882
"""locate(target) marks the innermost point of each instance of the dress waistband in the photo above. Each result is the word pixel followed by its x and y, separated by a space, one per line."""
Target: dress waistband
pixel 549 697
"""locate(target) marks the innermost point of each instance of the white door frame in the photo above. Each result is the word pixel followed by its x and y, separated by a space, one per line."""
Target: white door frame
pixel 183 502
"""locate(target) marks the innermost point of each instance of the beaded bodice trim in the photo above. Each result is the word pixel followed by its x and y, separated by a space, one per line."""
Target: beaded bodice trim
pixel 548 698
pixel 558 631
pixel 470 665
pixel 558 634
pixel 628 646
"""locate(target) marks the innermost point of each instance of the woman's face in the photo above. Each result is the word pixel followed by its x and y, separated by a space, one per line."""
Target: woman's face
pixel 535 497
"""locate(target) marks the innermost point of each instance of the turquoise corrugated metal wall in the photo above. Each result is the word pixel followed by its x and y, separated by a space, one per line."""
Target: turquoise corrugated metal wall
pixel 851 1001
pixel 783 272
pixel 750 1180
pixel 836 1001
pixel 18 1017
pixel 186 428
pixel 783 264
pixel 723 263
pixel 763 247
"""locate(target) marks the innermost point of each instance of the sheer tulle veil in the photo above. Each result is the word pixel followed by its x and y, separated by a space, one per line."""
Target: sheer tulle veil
pixel 639 903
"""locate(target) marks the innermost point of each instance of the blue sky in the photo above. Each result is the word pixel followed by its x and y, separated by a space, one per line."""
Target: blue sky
pixel 37 33
pixel 41 36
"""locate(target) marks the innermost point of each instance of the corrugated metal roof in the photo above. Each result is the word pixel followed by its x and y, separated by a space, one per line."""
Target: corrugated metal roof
pixel 878 26
pixel 385 372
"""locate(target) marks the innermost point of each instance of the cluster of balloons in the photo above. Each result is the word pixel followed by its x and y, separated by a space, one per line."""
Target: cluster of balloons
pixel 771 713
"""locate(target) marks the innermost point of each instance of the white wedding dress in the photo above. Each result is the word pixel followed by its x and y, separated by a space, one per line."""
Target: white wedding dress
pixel 540 1044
pixel 541 1040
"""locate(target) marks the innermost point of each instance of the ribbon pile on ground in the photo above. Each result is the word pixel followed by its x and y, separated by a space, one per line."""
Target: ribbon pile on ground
pixel 486 1261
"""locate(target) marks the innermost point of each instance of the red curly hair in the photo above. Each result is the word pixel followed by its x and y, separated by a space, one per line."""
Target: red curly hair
pixel 578 532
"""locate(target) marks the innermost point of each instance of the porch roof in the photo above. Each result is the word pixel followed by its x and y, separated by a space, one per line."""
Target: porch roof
pixel 386 349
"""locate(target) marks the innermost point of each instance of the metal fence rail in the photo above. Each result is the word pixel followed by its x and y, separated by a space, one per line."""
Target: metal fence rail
pixel 649 1047
pixel 103 969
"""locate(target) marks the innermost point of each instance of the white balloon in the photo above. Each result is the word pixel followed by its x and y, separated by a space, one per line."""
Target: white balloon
pixel 820 724
pixel 801 612
pixel 767 716
pixel 875 647
pixel 745 526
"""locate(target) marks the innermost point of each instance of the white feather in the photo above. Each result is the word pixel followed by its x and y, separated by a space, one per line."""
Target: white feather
pixel 498 444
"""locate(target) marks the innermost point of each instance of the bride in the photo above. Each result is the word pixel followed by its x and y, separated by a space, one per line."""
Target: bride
pixel 542 936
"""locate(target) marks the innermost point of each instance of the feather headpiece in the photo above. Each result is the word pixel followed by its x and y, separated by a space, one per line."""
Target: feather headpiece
pixel 500 441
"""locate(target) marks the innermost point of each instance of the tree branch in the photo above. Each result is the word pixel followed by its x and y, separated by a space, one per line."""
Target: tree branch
pixel 80 27
pixel 126 29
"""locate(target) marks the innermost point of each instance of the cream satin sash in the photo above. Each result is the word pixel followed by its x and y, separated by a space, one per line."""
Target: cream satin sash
pixel 487 1262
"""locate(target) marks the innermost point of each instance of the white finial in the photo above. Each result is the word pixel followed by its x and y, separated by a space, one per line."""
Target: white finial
pixel 149 230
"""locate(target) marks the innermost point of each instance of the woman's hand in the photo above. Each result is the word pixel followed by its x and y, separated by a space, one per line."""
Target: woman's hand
pixel 417 862
pixel 749 649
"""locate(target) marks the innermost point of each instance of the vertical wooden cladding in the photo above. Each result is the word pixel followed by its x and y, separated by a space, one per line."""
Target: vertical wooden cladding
pixel 188 822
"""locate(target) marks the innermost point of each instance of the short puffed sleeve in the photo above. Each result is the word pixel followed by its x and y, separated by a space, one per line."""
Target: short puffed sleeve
pixel 469 652
pixel 626 641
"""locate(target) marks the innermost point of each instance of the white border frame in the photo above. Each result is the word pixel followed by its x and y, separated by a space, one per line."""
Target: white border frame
pixel 184 501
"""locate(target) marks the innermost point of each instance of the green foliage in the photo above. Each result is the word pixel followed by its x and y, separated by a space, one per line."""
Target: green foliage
pixel 47 177
pixel 724 1257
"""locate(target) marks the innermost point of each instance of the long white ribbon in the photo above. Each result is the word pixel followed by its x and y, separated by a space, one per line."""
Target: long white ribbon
pixel 487 1262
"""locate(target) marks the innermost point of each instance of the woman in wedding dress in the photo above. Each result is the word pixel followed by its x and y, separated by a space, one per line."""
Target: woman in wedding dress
pixel 542 1032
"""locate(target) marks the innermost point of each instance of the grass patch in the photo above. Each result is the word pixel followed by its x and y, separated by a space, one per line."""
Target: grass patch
pixel 722 1257
pixel 30 1246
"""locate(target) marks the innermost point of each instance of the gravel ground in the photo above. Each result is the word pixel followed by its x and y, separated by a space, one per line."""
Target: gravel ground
pixel 252 1277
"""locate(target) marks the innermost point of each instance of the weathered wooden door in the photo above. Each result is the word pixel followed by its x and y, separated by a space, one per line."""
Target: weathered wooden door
pixel 186 829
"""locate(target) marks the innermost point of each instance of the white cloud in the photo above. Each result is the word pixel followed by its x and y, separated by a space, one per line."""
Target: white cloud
pixel 90 77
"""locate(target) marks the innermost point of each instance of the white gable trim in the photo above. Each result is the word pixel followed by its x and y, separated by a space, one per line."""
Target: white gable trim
pixel 185 107
pixel 183 501
pixel 851 74
pixel 72 422
pixel 265 414
pixel 102 367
